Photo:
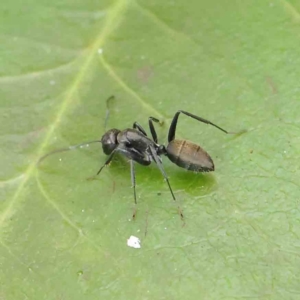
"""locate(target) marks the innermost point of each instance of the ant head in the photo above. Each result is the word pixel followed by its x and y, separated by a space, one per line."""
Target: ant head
pixel 109 141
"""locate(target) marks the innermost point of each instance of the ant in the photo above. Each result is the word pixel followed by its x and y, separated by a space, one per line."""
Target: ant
pixel 136 146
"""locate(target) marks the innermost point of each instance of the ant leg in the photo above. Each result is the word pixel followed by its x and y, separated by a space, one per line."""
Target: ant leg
pixel 157 160
pixel 108 101
pixel 152 129
pixel 172 129
pixel 132 175
pixel 137 126
pixel 107 162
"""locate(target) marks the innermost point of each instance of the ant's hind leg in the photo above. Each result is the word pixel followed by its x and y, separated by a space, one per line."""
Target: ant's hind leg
pixel 172 130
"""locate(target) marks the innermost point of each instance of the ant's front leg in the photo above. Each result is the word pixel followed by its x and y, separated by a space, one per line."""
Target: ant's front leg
pixel 137 126
pixel 152 128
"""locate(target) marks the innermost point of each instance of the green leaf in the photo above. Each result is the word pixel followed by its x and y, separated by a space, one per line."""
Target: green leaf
pixel 232 62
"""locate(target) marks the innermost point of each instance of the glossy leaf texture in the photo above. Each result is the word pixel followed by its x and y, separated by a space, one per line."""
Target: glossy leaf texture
pixel 63 235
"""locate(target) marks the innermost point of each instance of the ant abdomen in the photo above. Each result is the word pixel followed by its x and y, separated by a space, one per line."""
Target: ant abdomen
pixel 190 156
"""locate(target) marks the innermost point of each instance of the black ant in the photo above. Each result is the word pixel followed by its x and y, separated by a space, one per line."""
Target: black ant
pixel 135 145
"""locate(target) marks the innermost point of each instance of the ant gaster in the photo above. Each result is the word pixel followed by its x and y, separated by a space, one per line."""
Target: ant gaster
pixel 138 147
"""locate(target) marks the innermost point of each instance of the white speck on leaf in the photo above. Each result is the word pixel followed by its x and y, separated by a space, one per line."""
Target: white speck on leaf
pixel 100 51
pixel 134 242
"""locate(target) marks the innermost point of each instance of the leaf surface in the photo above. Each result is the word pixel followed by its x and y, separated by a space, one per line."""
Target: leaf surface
pixel 232 62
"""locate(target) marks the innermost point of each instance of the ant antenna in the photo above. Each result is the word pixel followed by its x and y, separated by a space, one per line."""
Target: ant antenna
pixel 108 101
pixel 67 149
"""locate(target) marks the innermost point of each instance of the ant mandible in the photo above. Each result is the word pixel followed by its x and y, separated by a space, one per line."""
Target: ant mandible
pixel 134 144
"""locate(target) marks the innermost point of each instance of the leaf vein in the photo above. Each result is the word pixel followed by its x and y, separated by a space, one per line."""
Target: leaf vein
pixel 113 21
pixel 127 89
